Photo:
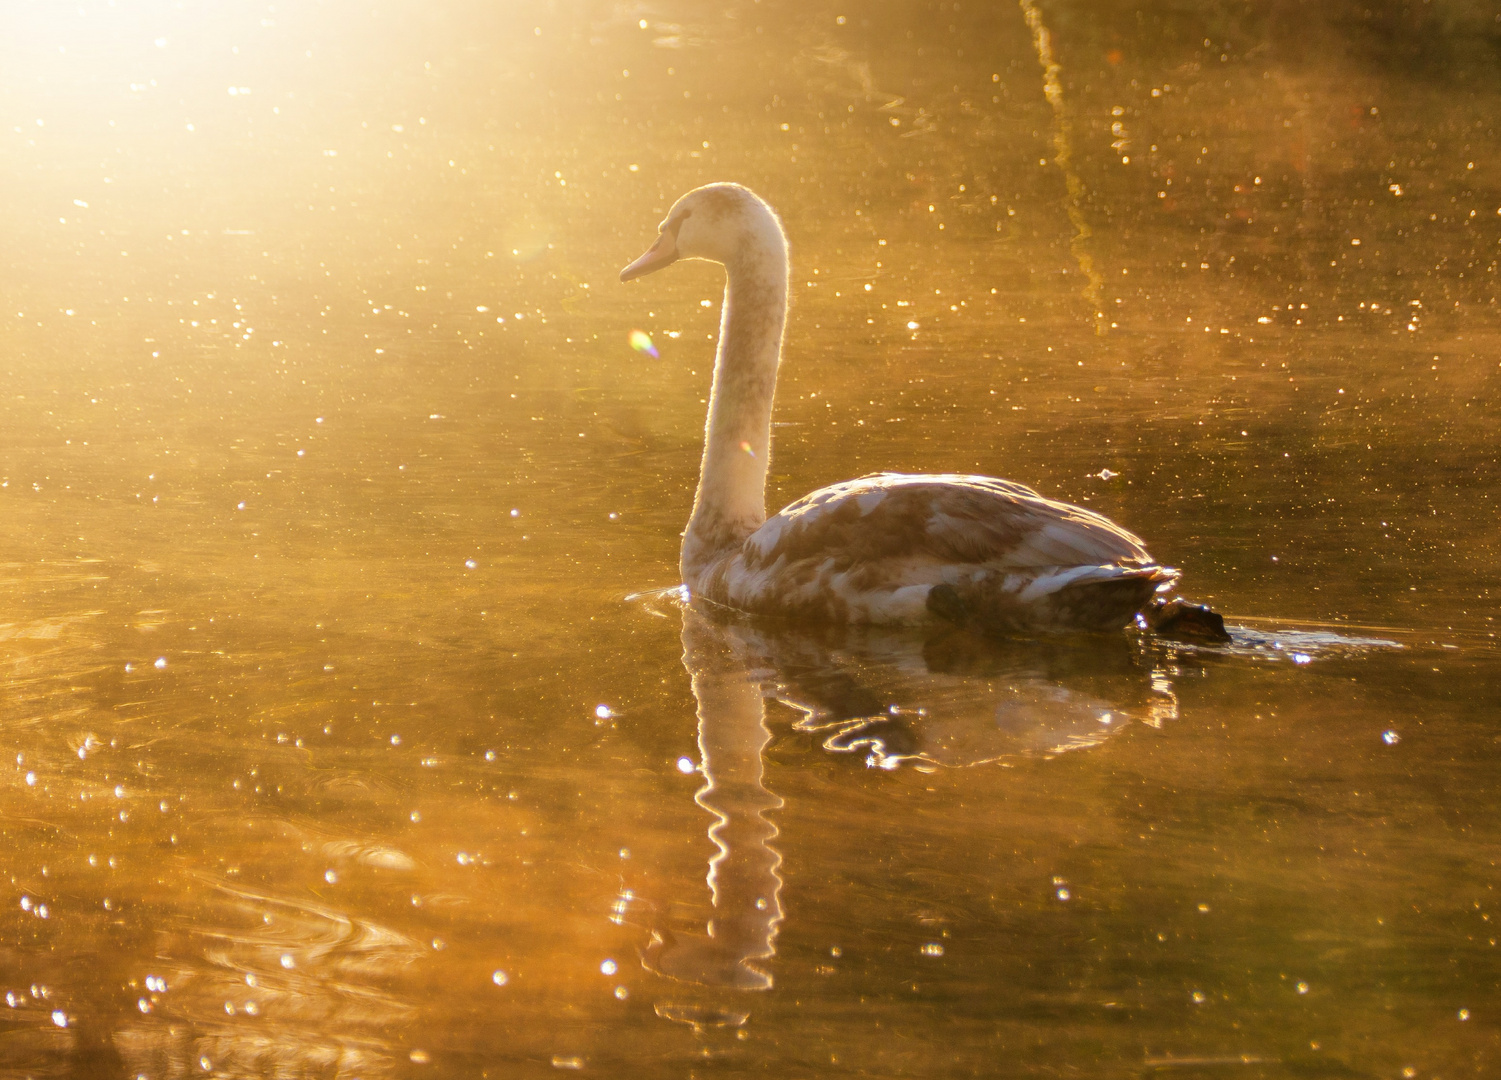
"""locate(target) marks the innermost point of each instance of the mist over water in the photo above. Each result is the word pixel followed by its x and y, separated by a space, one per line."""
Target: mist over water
pixel 355 730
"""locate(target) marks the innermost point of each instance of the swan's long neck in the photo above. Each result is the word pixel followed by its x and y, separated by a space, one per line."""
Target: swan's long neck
pixel 731 499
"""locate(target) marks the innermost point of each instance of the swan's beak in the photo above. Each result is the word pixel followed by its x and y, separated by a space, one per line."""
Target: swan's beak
pixel 660 254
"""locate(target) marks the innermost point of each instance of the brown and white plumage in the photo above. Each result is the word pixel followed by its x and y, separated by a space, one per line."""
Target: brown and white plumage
pixel 886 548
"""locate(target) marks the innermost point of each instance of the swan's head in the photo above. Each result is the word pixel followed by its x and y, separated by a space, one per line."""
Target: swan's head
pixel 723 223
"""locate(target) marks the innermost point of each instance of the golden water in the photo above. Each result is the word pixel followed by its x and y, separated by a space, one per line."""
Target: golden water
pixel 327 471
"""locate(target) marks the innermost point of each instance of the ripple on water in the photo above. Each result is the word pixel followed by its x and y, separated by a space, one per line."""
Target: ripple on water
pixel 366 854
pixel 276 986
pixel 701 1016
pixel 1299 646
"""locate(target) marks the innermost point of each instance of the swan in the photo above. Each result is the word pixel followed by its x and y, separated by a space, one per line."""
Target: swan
pixel 888 548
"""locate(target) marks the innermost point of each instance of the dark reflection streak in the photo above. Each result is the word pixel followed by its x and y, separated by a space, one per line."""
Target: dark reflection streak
pixel 743 881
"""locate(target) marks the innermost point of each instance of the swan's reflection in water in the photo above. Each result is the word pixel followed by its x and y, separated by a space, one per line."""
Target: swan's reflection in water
pixel 892 696
pixel 954 699
pixel 743 880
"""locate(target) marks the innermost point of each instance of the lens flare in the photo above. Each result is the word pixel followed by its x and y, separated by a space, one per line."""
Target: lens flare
pixel 641 342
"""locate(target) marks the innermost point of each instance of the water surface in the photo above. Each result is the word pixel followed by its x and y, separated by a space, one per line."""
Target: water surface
pixel 327 471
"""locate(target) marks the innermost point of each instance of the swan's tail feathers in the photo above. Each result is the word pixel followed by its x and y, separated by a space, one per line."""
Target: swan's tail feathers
pixel 1091 598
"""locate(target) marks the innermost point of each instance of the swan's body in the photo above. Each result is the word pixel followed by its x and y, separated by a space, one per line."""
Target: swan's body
pixel 887 548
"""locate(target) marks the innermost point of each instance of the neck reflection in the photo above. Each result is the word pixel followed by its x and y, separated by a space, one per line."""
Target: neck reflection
pixel 744 886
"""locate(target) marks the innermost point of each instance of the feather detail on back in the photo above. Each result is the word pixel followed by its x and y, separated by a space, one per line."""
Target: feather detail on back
pixel 873 550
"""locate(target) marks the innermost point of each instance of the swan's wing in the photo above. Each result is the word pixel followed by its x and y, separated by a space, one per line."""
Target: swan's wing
pixel 944 519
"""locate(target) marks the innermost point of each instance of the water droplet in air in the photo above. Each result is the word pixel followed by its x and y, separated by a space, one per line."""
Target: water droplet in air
pixel 932 948
pixel 470 564
pixel 685 766
pixel 499 978
pixel 161 662
pixel 1302 988
pixel 604 712
pixel 1391 738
